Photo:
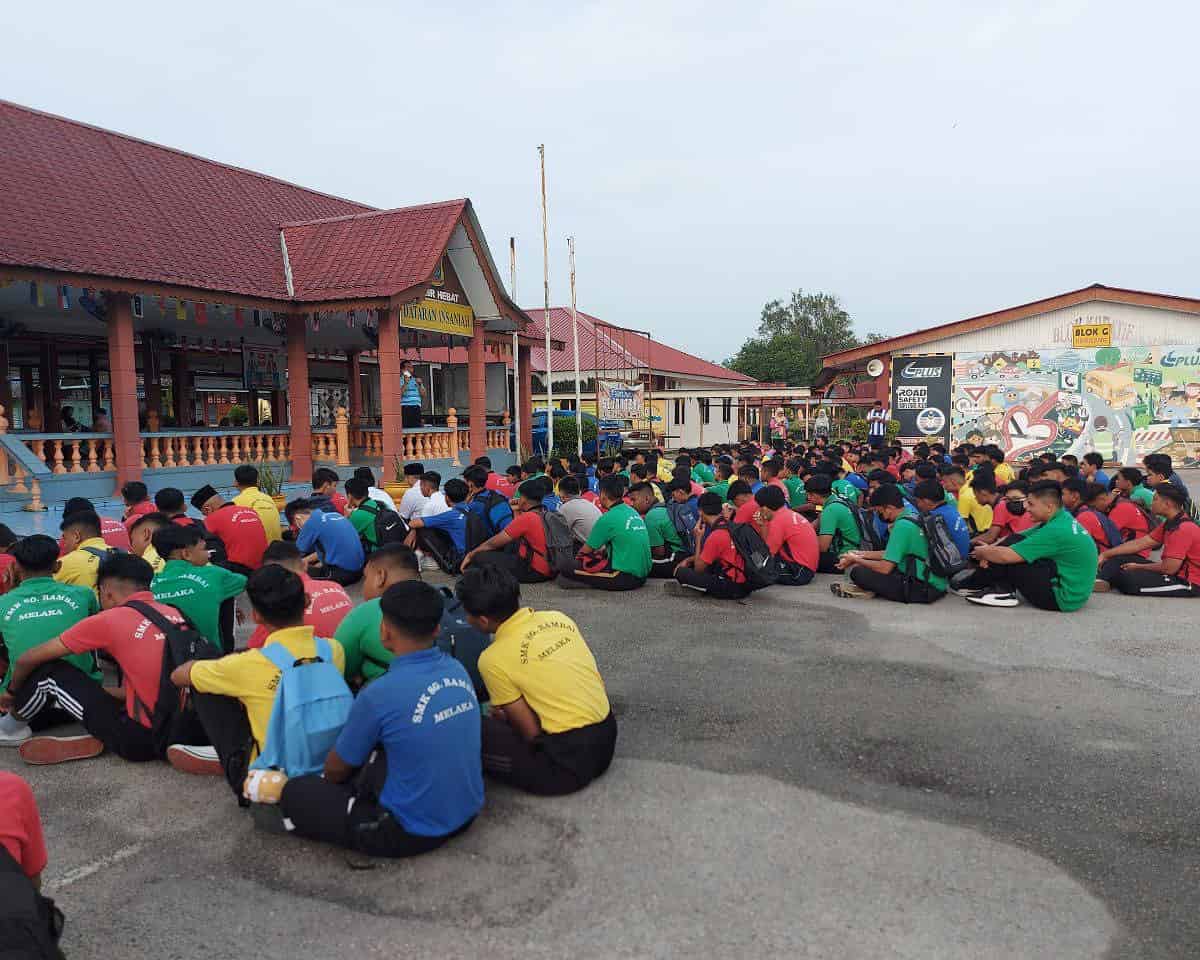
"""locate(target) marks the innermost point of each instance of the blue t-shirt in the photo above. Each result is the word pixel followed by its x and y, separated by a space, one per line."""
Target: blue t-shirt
pixel 335 540
pixel 857 480
pixel 410 396
pixel 1101 478
pixel 756 486
pixel 958 526
pixel 424 714
pixel 552 501
pixel 452 522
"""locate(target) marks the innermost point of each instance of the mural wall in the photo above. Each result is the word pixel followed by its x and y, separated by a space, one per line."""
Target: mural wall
pixel 1123 402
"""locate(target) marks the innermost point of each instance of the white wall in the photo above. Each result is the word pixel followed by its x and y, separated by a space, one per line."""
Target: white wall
pixel 691 433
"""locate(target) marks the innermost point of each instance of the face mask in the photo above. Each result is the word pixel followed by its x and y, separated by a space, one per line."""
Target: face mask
pixel 1015 508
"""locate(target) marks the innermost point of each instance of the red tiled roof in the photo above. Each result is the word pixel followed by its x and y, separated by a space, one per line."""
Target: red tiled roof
pixel 604 347
pixel 369 254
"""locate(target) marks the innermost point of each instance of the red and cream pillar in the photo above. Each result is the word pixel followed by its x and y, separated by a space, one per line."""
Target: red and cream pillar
pixel 298 400
pixel 477 393
pixel 122 377
pixel 389 389
pixel 354 380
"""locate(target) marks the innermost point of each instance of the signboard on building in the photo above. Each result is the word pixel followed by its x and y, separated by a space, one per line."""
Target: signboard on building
pixel 621 401
pixel 1091 335
pixel 263 368
pixel 921 393
pixel 439 317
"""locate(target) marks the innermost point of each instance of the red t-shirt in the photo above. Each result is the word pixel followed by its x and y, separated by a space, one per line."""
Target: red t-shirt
pixel 1181 542
pixel 339 501
pixel 788 528
pixel 745 513
pixel 113 532
pixel 591 497
pixel 500 485
pixel 1088 520
pixel 241 530
pixel 6 572
pixel 134 642
pixel 137 510
pixel 1129 520
pixel 527 530
pixel 20 825
pixel 328 604
pixel 720 554
pixel 1007 522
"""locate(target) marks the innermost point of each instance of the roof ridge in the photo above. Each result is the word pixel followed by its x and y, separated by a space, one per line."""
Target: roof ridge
pixel 183 153
pixel 366 214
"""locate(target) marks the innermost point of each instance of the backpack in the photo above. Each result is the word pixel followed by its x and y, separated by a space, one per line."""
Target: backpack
pixel 101 554
pixel 497 512
pixel 462 641
pixel 477 529
pixel 389 526
pixel 945 559
pixel 684 517
pixel 173 719
pixel 1111 533
pixel 312 703
pixel 762 569
pixel 560 541
pixel 30 924
pixel 869 538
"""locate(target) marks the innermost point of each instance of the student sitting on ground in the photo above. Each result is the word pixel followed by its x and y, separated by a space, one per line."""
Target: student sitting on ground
pixel 444 535
pixel 201 591
pixel 239 529
pixel 1009 515
pixel 899 572
pixel 246 479
pixel 837 530
pixel 378 494
pixel 358 633
pixel 435 500
pixel 616 556
pixel 975 494
pixel 550 730
pixel 1052 565
pixel 328 542
pixel 716 568
pixel 404 776
pixel 85 549
pixel 112 530
pixel 1091 468
pixel 666 546
pixel 364 512
pixel 328 602
pixel 520 548
pixel 930 497
pixel 1177 573
pixel 581 516
pixel 36 610
pixel 22 836
pixel 325 495
pixel 414 498
pixel 41 679
pixel 790 538
pixel 1076 495
pixel 141 539
pixel 485 502
pixel 137 502
pixel 251 677
pixel 1160 470
pixel 1128 483
pixel 724 477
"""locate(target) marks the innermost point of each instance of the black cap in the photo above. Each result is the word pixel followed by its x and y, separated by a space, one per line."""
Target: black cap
pixel 203 495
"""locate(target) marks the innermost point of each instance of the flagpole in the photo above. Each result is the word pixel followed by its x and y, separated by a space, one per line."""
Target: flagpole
pixel 546 316
pixel 516 349
pixel 575 344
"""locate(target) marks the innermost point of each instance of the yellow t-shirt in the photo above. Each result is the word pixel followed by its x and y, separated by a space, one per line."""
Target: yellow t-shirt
pixel 665 468
pixel 80 566
pixel 543 657
pixel 1004 474
pixel 252 678
pixel 265 507
pixel 972 510
pixel 156 562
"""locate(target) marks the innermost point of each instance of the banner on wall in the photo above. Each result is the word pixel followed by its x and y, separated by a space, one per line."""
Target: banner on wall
pixel 263 369
pixel 621 401
pixel 922 388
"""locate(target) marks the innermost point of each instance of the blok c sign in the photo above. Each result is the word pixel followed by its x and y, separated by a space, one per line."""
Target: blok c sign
pixel 1091 335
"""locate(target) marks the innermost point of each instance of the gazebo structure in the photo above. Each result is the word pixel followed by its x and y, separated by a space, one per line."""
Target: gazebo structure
pixel 164 316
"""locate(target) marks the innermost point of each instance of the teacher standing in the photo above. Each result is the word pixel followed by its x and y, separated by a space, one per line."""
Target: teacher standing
pixel 412 395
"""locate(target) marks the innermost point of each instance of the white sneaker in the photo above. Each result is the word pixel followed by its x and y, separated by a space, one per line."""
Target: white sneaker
pixel 428 564
pixel 995 600
pixel 200 761
pixel 13 732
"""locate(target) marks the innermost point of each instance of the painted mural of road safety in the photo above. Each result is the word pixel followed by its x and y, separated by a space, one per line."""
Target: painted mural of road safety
pixel 1123 402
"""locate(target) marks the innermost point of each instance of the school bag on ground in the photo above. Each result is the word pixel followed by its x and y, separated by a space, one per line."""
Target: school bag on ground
pixel 869 538
pixel 462 641
pixel 684 517
pixel 497 512
pixel 389 526
pixel 560 542
pixel 762 569
pixel 30 924
pixel 945 559
pixel 312 703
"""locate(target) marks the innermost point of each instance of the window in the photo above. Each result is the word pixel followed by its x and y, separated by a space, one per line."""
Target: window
pixel 727 410
pixel 680 410
pixel 705 410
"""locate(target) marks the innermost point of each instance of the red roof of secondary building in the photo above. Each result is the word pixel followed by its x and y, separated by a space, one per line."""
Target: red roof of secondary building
pixel 605 347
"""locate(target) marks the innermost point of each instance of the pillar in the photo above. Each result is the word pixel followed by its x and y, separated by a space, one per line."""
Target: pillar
pixel 389 388
pixel 122 378
pixel 525 373
pixel 150 375
pixel 181 388
pixel 354 381
pixel 94 383
pixel 298 402
pixel 477 393
pixel 48 379
pixel 279 416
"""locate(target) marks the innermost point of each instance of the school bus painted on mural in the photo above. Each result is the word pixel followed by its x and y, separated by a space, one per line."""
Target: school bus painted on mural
pixel 1123 402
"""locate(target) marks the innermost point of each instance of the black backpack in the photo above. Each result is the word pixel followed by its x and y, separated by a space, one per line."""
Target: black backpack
pixel 30 924
pixel 462 641
pixel 762 569
pixel 477 530
pixel 389 525
pixel 868 536
pixel 560 541
pixel 945 559
pixel 173 720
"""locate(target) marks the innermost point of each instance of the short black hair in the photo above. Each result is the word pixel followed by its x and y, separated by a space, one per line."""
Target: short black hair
pixel 984 479
pixel 169 500
pixel 414 469
pixel 281 551
pixel 1169 491
pixel 277 594
pixel 535 465
pixel 887 495
pixel 1093 491
pixel 432 476
pixel 78 505
pixel 299 505
pixel 174 536
pixel 7 537
pixel 134 492
pixel 246 475
pixel 128 567
pixel 365 473
pixel 358 488
pixel 644 487
pixel 818 483
pixel 770 497
pixel 412 606
pixel 36 554
pixel 476 476
pixel 1159 463
pixel 487 590
pixel 455 490
pixel 1047 489
pixel 395 555
pixel 532 490
pixel 880 476
pixel 711 504
pixel 1132 474
pixel 154 520
pixel 322 476
pixel 680 484
pixel 612 487
pixel 1076 485
pixel 485 462
pixel 749 470
pixel 569 485
pixel 1095 459
pixel 929 489
pixel 87 521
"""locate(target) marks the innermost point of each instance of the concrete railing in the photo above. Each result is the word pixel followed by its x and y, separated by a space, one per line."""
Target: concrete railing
pixel 211 448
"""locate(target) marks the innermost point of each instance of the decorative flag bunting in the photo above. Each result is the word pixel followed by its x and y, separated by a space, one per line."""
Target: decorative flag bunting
pixel 201 314
pixel 181 310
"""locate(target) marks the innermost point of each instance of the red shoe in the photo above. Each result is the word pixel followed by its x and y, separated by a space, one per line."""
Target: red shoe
pixel 201 761
pixel 46 750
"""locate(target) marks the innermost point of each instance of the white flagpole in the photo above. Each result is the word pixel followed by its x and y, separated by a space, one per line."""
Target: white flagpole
pixel 575 344
pixel 546 317
pixel 516 349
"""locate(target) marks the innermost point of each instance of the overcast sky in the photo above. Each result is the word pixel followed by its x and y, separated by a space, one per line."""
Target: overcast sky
pixel 923 161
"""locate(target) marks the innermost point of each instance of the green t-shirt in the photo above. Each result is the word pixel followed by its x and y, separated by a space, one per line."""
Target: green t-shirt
pixel 844 488
pixel 197 593
pixel 623 531
pixel 1073 551
pixel 1142 494
pixel 703 473
pixel 908 540
pixel 362 518
pixel 662 531
pixel 358 634
pixel 720 489
pixel 796 495
pixel 836 518
pixel 39 610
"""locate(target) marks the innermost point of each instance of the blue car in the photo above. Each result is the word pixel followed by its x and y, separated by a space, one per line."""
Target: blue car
pixel 609 440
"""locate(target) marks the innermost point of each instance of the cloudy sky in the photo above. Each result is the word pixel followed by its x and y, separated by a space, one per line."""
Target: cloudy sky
pixel 923 161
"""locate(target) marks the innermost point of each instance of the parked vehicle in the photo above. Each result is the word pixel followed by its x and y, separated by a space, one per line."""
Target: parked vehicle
pixel 609 440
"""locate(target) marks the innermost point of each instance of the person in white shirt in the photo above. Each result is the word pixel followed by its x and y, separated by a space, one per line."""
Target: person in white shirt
pixel 414 498
pixel 877 420
pixel 435 500
pixel 374 492
pixel 580 515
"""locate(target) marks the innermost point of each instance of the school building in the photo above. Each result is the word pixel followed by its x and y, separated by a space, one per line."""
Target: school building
pixel 1101 368
pixel 166 317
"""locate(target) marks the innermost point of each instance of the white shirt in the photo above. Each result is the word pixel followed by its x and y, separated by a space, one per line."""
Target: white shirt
pixel 435 505
pixel 411 503
pixel 580 515
pixel 374 493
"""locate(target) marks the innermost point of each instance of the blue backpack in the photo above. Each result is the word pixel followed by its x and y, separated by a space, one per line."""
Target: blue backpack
pixel 1111 533
pixel 312 703
pixel 684 517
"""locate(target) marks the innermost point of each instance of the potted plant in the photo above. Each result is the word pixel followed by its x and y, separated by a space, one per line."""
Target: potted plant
pixel 270 482
pixel 398 485
pixel 237 415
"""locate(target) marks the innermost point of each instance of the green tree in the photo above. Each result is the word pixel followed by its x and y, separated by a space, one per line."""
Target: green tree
pixel 792 337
